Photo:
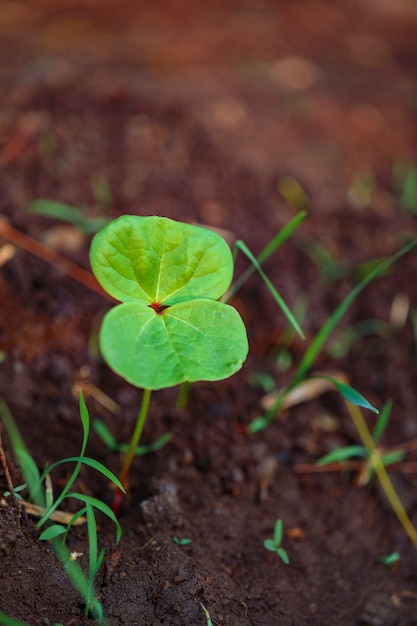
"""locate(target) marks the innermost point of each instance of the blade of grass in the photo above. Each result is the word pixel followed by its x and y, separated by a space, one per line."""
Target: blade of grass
pixel 84 460
pixel 290 317
pixel 382 421
pixel 318 341
pixel 24 459
pixel 347 392
pixel 100 506
pixel 381 472
pixel 342 454
pixel 73 570
pixel 269 249
pixel 316 345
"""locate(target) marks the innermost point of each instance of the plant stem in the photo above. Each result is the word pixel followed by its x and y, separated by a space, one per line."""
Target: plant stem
pixel 135 437
pixel 183 394
pixel 381 472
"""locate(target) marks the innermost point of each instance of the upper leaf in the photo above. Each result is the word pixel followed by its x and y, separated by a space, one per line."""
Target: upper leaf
pixel 158 260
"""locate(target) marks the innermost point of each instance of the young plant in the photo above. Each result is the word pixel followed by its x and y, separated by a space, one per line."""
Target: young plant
pixel 44 505
pixel 390 560
pixel 274 544
pixel 207 615
pixel 357 450
pixel 170 327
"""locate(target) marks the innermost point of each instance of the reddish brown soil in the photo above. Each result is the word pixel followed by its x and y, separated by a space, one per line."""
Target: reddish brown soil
pixel 196 111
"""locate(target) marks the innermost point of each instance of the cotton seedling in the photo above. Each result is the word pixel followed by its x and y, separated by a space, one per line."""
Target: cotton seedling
pixel 274 544
pixel 170 327
pixel 173 324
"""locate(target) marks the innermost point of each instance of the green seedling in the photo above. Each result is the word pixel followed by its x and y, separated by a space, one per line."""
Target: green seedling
pixel 107 438
pixel 346 453
pixel 389 559
pixel 380 470
pixel 15 492
pixel 274 544
pixel 181 542
pixel 60 211
pixel 41 495
pixel 209 621
pixel 170 327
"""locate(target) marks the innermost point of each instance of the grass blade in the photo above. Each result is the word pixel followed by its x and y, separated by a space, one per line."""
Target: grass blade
pixel 317 343
pixel 382 421
pixel 100 506
pixel 52 531
pixel 284 308
pixel 269 249
pixel 350 394
pixel 85 460
pixel 342 454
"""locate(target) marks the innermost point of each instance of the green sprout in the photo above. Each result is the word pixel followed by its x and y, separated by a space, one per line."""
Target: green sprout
pixel 209 621
pixel 40 493
pixel 15 491
pixel 389 559
pixel 185 541
pixel 6 620
pixel 170 327
pixel 356 450
pixel 274 544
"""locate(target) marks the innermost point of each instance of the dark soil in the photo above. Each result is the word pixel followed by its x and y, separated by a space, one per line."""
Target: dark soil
pixel 197 113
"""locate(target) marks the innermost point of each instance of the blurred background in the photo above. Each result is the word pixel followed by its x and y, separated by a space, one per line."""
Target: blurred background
pixel 149 104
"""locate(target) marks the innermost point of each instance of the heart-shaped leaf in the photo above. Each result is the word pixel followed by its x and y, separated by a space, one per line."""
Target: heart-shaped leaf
pixel 170 327
pixel 155 259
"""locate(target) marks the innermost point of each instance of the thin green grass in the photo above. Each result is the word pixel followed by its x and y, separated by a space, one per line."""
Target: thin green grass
pixel 43 498
pixel 321 337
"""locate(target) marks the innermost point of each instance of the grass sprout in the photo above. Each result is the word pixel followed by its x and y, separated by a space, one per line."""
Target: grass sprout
pixel 274 544
pixel 346 453
pixel 40 493
pixel 209 621
pixel 107 438
pixel 185 541
pixel 389 560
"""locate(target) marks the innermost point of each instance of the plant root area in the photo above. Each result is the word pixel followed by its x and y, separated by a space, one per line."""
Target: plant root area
pixel 233 115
